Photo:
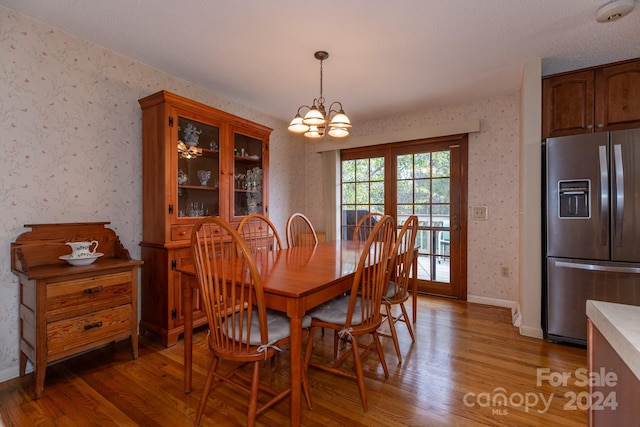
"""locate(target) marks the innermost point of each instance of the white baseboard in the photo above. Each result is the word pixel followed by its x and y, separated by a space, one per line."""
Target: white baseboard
pixel 530 331
pixel 516 314
pixel 492 301
pixel 14 372
pixel 516 318
pixel 9 374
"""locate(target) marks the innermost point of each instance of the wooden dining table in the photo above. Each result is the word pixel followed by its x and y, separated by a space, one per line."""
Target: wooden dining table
pixel 294 281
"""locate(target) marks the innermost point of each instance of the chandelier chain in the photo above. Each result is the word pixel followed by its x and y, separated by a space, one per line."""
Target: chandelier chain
pixel 321 99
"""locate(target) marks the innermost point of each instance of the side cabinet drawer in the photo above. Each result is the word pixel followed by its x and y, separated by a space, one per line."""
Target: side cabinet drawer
pixel 67 335
pixel 181 232
pixel 76 297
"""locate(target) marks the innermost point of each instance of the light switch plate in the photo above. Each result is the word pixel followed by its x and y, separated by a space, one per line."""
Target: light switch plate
pixel 479 212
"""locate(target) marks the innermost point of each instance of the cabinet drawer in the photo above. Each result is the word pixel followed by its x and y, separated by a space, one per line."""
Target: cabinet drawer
pixel 75 297
pixel 181 232
pixel 66 335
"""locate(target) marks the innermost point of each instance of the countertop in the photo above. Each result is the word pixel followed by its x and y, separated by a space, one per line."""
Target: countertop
pixel 620 325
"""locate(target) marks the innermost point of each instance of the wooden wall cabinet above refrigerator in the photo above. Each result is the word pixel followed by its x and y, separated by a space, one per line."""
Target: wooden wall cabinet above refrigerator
pixel 196 161
pixel 592 100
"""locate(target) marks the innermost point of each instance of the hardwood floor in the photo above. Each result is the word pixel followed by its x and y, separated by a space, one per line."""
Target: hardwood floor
pixel 466 358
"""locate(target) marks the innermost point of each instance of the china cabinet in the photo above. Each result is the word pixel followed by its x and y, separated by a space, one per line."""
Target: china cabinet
pixel 597 99
pixel 66 310
pixel 197 161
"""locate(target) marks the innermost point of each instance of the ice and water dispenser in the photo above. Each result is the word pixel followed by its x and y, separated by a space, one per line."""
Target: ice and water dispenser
pixel 573 199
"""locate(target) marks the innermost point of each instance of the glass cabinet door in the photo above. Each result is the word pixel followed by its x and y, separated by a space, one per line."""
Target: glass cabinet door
pixel 198 169
pixel 247 175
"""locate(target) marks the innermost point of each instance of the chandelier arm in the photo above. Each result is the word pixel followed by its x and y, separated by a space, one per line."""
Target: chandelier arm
pixel 303 106
pixel 331 110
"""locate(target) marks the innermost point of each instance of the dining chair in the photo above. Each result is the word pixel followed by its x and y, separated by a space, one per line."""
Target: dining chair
pixel 300 231
pixel 399 282
pixel 365 225
pixel 259 233
pixel 361 231
pixel 241 329
pixel 358 313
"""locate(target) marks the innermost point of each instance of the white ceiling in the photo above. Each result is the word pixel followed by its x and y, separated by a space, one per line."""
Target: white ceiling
pixel 386 56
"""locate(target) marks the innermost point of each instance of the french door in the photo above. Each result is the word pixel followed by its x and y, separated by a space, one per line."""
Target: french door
pixel 426 178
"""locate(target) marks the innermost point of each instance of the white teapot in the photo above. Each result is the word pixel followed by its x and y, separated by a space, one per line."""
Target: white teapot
pixel 83 249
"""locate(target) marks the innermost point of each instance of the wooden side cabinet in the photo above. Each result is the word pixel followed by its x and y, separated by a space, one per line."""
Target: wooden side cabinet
pixel 66 310
pixel 597 99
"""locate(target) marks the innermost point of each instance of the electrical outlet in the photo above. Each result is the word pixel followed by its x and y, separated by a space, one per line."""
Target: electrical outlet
pixel 504 271
pixel 479 212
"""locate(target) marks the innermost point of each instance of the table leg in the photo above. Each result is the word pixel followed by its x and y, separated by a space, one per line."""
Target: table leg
pixel 296 369
pixel 187 309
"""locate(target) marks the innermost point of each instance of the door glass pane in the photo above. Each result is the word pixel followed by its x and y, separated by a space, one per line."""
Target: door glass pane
pixel 198 168
pixel 247 175
pixel 377 169
pixel 362 191
pixel 423 190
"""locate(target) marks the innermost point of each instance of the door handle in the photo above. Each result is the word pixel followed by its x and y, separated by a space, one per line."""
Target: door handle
pixel 604 194
pixel 454 223
pixel 617 157
pixel 593 267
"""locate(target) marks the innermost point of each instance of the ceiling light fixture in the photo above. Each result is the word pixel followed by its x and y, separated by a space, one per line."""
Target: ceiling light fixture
pixel 614 10
pixel 188 152
pixel 314 122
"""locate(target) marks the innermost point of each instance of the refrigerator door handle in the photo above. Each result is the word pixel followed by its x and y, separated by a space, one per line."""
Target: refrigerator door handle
pixel 617 157
pixel 594 267
pixel 604 195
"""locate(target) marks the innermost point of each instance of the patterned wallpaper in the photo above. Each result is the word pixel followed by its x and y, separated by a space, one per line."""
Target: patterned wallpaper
pixel 72 145
pixel 493 182
pixel 71 139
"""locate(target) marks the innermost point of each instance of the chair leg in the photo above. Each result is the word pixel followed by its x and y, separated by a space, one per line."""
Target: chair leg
pixel 253 395
pixel 207 389
pixel 309 349
pixel 407 322
pixel 360 376
pixel 394 333
pixel 376 339
pixel 305 385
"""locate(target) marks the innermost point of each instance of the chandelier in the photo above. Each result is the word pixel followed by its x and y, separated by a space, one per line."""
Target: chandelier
pixel 314 122
pixel 188 152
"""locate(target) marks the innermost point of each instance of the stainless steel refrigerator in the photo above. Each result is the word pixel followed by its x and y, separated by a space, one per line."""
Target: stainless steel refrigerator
pixel 592 228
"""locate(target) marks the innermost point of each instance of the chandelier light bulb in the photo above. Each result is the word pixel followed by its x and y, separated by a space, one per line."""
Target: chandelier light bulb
pixel 314 133
pixel 314 117
pixel 296 125
pixel 338 132
pixel 340 120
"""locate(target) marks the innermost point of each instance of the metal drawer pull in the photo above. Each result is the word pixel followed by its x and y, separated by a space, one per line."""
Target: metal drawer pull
pixel 92 325
pixel 93 290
